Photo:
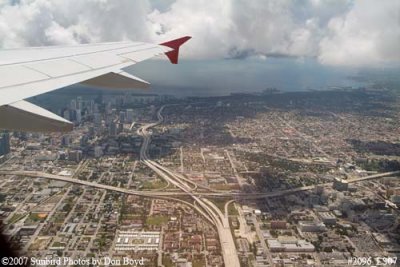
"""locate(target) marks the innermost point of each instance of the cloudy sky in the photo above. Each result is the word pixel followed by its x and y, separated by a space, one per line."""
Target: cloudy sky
pixel 244 43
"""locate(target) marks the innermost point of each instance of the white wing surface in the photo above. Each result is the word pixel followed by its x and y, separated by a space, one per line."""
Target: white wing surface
pixel 32 71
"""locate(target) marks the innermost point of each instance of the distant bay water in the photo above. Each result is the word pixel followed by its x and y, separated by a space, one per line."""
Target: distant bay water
pixel 226 76
pixel 222 77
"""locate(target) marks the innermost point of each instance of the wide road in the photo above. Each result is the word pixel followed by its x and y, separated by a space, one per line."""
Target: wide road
pixel 227 242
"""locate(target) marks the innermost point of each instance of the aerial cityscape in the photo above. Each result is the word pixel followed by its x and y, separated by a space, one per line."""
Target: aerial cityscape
pixel 179 133
pixel 267 179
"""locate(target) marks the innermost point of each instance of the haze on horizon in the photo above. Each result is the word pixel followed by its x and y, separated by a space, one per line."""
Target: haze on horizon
pixel 237 45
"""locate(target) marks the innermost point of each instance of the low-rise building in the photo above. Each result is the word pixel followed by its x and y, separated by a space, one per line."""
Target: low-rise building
pixel 327 218
pixel 137 241
pixel 278 225
pixel 290 246
pixel 311 226
pixel 340 184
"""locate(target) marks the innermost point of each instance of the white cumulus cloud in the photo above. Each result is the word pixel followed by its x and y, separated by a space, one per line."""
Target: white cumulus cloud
pixel 340 32
pixel 53 22
pixel 368 34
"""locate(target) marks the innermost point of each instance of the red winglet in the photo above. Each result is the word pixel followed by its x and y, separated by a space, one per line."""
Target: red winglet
pixel 175 44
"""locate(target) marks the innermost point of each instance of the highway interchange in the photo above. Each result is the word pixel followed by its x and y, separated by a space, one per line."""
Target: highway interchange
pixel 227 242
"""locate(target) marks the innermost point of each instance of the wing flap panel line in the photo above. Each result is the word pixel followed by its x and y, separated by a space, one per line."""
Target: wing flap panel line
pixel 49 53
pixel 25 116
pixel 10 75
pixel 57 68
pixel 11 94
pixel 101 60
pixel 143 54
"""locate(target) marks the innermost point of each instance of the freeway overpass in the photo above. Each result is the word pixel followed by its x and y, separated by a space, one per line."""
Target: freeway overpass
pixel 374 176
pixel 35 174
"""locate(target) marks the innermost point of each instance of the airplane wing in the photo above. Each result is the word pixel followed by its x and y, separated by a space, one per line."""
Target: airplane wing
pixel 32 71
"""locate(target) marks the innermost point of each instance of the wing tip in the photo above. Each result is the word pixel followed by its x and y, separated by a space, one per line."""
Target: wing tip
pixel 175 44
